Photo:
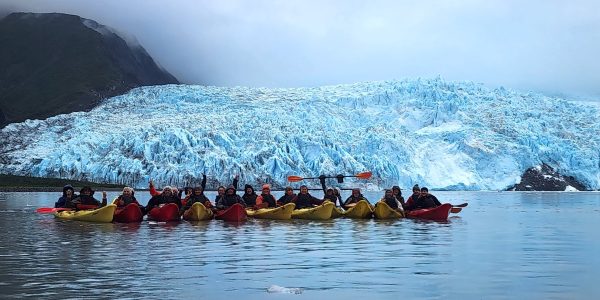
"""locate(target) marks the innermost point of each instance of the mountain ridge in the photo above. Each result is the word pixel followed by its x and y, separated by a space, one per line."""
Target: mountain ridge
pixel 58 63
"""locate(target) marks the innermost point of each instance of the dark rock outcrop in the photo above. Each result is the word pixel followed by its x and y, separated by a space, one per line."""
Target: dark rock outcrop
pixel 57 63
pixel 544 178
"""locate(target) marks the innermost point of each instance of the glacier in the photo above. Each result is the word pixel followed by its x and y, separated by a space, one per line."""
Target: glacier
pixel 437 133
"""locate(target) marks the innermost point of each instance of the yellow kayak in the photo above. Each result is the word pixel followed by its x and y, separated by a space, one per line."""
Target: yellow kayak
pixel 337 212
pixel 361 210
pixel 198 212
pixel 321 212
pixel 384 211
pixel 100 215
pixel 278 213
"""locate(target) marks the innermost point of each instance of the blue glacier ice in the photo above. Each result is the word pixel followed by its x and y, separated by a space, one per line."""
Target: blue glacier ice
pixel 444 135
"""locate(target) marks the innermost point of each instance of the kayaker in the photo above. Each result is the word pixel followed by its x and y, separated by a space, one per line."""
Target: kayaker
pixel 410 202
pixel 249 196
pixel 265 199
pixel 397 192
pixel 391 201
pixel 329 193
pixel 163 198
pixel 68 194
pixel 426 200
pixel 287 197
pixel 354 198
pixel 221 189
pixel 230 198
pixel 304 199
pixel 85 200
pixel 197 196
pixel 126 198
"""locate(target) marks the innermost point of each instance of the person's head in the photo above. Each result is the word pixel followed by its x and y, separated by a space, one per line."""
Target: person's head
pixel 396 191
pixel 388 193
pixel 303 189
pixel 424 191
pixel 86 191
pixel 289 190
pixel 68 191
pixel 221 190
pixel 174 190
pixel 230 191
pixel 329 192
pixel 188 190
pixel 127 191
pixel 355 192
pixel 167 191
pixel 416 189
pixel 266 189
pixel 197 191
pixel 336 191
pixel 248 189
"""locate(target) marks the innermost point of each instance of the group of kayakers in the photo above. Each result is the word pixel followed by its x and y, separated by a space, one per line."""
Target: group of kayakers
pixel 226 197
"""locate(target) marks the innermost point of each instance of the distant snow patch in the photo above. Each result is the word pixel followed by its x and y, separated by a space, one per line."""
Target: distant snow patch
pixel 283 290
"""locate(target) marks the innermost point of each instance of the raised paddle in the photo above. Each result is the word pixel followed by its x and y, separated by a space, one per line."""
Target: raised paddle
pixel 363 175
pixel 457 208
pixel 50 210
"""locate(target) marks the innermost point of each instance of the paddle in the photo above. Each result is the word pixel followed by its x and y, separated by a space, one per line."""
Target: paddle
pixel 363 175
pixel 50 210
pixel 457 208
pixel 461 205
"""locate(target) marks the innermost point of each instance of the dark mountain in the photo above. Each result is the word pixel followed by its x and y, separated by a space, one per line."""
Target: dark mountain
pixel 544 178
pixel 57 63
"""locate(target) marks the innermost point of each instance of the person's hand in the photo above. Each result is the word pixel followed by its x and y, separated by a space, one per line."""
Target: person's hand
pixel 236 176
pixel 150 182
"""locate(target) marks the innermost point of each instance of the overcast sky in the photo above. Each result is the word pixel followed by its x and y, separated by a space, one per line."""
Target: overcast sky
pixel 548 46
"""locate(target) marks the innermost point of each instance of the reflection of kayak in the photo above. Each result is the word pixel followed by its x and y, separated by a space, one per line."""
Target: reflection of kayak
pixel 361 210
pixel 278 213
pixel 235 213
pixel 101 215
pixel 439 213
pixel 129 213
pixel 198 212
pixel 384 211
pixel 321 212
pixel 166 213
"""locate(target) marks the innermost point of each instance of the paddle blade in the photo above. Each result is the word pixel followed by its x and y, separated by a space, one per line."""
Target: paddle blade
pixel 364 175
pixel 461 205
pixel 293 178
pixel 455 210
pixel 50 210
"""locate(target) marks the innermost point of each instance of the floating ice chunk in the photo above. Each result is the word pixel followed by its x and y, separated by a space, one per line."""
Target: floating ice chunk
pixel 283 290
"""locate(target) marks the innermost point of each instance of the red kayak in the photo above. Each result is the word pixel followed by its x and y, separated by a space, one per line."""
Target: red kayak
pixel 439 213
pixel 166 213
pixel 235 213
pixel 130 213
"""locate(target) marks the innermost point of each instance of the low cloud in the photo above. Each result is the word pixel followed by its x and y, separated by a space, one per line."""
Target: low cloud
pixel 547 46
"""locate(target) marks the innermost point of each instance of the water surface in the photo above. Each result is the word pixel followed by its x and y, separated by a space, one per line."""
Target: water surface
pixel 503 245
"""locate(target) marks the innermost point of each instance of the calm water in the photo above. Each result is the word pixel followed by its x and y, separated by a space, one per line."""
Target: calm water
pixel 503 245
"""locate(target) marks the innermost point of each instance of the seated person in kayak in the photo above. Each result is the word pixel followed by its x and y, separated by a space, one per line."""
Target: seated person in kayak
pixel 85 200
pixel 426 200
pixel 249 196
pixel 126 198
pixel 230 198
pixel 287 197
pixel 305 200
pixel 265 199
pixel 189 191
pixel 163 198
pixel 221 189
pixel 197 197
pixel 354 198
pixel 68 195
pixel 397 192
pixel 410 202
pixel 391 201
pixel 329 193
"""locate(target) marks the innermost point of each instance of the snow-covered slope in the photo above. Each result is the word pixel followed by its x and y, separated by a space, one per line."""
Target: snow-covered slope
pixel 432 132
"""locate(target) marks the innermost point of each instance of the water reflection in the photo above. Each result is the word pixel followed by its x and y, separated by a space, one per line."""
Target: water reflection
pixel 525 243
